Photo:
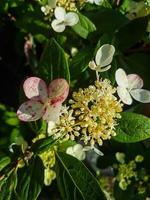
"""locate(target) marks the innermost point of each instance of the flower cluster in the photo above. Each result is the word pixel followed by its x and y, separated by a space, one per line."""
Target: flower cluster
pixel 128 172
pixel 93 114
pixel 96 110
pixel 71 5
pixel 48 158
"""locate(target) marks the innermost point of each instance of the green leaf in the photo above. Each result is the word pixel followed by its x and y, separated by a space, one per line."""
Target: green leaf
pixel 84 26
pixel 8 185
pixel 132 128
pixel 132 33
pixel 30 180
pixel 107 20
pixel 80 61
pixel 54 62
pixel 43 145
pixel 75 181
pixel 4 161
pixel 110 74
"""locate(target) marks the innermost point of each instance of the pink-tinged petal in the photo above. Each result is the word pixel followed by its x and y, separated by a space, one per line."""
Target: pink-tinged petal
pixel 124 95
pixel 141 95
pixel 35 87
pixel 52 113
pixel 58 91
pixel 134 81
pixel 30 111
pixel 121 78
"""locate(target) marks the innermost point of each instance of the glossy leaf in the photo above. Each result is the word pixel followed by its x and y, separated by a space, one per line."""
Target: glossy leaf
pixel 43 144
pixel 84 26
pixel 75 181
pixel 30 180
pixel 132 128
pixel 54 62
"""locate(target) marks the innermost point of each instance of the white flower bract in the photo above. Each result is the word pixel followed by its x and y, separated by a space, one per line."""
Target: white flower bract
pixel 131 86
pixel 103 58
pixel 76 151
pixel 63 19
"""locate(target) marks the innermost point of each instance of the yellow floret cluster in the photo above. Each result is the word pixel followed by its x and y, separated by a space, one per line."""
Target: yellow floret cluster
pixel 48 158
pixel 70 5
pixel 92 115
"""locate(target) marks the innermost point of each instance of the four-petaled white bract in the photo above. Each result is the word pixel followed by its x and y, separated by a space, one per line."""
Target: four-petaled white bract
pixel 130 85
pixel 43 101
pixel 103 58
pixel 97 2
pixel 63 19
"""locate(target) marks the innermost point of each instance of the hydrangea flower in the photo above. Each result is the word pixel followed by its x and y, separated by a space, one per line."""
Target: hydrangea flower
pixel 130 86
pixel 44 102
pixel 103 58
pixel 63 19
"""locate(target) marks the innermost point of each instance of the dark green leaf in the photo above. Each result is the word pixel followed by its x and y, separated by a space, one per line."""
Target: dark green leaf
pixel 75 181
pixel 80 61
pixel 84 26
pixel 139 63
pixel 54 62
pixel 132 33
pixel 107 20
pixel 132 128
pixel 43 144
pixel 30 180
pixel 4 161
pixel 8 185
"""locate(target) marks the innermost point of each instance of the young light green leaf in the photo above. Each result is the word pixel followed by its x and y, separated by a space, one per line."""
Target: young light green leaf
pixel 132 128
pixel 75 181
pixel 84 26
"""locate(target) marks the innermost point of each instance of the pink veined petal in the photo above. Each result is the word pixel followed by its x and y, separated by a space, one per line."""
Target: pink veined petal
pixel 52 113
pixel 58 91
pixel 134 81
pixel 141 95
pixel 124 95
pixel 35 87
pixel 30 111
pixel 121 78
